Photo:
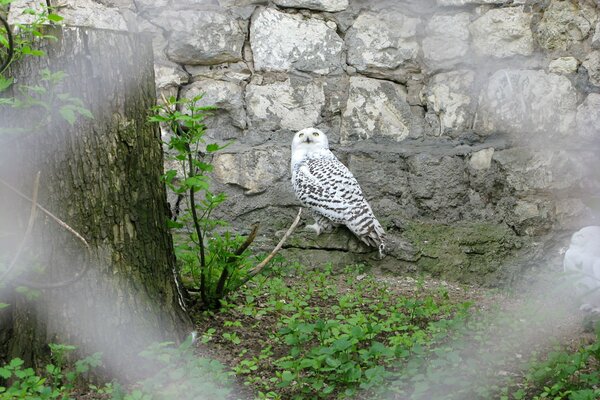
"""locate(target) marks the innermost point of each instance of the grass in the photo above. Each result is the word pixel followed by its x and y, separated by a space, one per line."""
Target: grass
pixel 299 334
pixel 311 334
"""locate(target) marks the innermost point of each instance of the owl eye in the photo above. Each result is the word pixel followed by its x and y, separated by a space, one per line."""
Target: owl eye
pixel 301 135
pixel 315 133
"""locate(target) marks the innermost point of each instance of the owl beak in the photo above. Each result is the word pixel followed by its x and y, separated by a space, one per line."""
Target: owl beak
pixel 308 139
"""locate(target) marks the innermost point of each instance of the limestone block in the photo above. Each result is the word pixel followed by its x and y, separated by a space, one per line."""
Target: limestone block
pixel 281 42
pixel 377 109
pixel 563 65
pixel 380 43
pixel 293 104
pixel 527 104
pixel 482 159
pixel 254 170
pixel 592 65
pixel 232 72
pixel 169 75
pixel 447 38
pixel 588 117
pixel 564 23
pixel 438 181
pixel 467 2
pixel 74 12
pixel 503 32
pixel 596 37
pixel 202 38
pixel 449 95
pixel 318 5
pixel 530 169
pixel 228 98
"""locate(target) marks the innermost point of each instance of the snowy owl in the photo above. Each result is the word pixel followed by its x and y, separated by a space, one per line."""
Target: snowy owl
pixel 325 186
pixel 582 260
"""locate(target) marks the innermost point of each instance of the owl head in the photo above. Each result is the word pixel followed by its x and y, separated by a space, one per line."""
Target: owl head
pixel 588 237
pixel 309 139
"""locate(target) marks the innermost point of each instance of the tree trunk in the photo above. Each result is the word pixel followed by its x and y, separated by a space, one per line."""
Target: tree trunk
pixel 100 176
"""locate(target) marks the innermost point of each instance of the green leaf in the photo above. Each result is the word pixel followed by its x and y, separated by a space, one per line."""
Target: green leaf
pixel 212 147
pixel 4 305
pixel 85 112
pixel 5 83
pixel 54 17
pixel 68 114
pixel 5 373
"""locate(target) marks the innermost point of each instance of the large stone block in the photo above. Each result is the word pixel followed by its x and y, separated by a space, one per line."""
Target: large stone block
pixel 565 23
pixel 503 32
pixel 527 104
pixel 468 2
pixel 438 182
pixel 283 42
pixel 383 44
pixel 531 170
pixel 74 12
pixel 293 104
pixel 255 170
pixel 450 96
pixel 230 117
pixel 592 65
pixel 447 38
pixel 377 109
pixel 318 5
pixel 588 118
pixel 203 37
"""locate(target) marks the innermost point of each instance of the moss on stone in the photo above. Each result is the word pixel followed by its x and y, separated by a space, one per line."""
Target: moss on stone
pixel 469 252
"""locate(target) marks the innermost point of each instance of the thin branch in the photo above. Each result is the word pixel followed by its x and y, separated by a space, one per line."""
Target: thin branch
pixel 32 215
pixel 257 269
pixel 220 290
pixel 291 229
pixel 11 47
pixel 64 225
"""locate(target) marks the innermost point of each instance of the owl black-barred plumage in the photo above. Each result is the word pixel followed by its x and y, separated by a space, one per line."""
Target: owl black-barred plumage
pixel 325 186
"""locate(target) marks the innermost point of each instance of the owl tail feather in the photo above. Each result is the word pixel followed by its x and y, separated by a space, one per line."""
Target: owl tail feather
pixel 374 237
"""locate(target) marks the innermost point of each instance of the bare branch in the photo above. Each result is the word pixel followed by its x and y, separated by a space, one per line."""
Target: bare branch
pixel 32 215
pixel 254 271
pixel 64 225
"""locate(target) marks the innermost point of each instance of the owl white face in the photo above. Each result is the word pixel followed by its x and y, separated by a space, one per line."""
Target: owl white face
pixel 309 139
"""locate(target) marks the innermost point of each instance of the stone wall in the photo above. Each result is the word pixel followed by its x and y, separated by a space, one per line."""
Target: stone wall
pixel 473 126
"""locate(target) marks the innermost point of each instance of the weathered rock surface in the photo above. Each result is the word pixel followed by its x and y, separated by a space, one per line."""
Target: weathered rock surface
pixel 447 38
pixel 565 23
pixel 503 32
pixel 383 44
pixel 588 115
pixel 202 38
pixel 293 104
pixel 80 13
pixel 230 117
pixel 466 2
pixel 319 5
pixel 377 109
pixel 527 104
pixel 592 65
pixel 449 96
pixel 254 171
pixel 281 42
pixel 563 65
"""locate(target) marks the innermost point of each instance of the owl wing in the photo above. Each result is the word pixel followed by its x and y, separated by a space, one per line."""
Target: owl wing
pixel 329 188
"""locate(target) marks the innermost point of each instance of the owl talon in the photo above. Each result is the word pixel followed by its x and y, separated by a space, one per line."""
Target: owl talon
pixel 314 227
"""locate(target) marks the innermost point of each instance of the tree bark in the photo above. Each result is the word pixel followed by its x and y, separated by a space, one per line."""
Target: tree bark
pixel 100 176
